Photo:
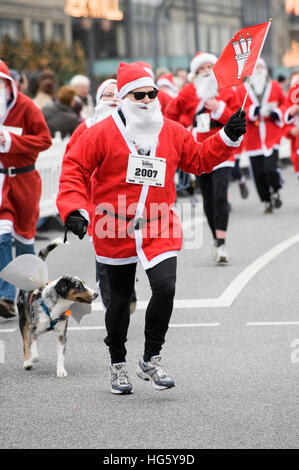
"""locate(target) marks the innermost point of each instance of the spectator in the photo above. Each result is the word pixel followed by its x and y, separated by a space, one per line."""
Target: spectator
pixel 60 116
pixel 81 84
pixel 46 94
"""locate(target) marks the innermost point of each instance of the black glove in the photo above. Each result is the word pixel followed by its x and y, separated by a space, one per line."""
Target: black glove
pixel 236 125
pixel 257 110
pixel 76 223
pixel 274 116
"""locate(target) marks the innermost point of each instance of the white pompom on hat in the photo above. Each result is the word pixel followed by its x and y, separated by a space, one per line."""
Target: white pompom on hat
pixel 200 59
pixel 132 76
pixel 102 87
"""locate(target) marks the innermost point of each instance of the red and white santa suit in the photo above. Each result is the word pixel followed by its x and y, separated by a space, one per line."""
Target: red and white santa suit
pixel 292 122
pixel 263 133
pixel 26 134
pixel 188 108
pixel 106 146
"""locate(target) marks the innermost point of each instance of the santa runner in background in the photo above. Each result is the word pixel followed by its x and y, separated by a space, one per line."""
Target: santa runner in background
pixel 239 58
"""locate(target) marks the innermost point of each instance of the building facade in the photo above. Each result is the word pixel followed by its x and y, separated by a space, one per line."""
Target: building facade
pixel 38 20
pixel 161 32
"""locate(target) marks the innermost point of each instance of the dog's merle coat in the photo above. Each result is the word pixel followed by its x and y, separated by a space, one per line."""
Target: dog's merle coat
pixel 57 297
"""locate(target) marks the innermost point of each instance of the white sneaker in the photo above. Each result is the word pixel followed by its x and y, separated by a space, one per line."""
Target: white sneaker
pixel 221 255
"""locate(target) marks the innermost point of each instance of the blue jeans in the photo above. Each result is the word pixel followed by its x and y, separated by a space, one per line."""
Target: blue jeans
pixel 7 290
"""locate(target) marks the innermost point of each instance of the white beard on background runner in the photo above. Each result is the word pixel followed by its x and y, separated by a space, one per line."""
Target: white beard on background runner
pixel 206 86
pixel 259 81
pixel 143 122
pixel 104 109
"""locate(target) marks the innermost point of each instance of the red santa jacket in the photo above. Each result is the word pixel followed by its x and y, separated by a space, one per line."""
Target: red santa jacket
pixel 20 194
pixel 263 133
pixel 106 147
pixel 164 99
pixel 189 110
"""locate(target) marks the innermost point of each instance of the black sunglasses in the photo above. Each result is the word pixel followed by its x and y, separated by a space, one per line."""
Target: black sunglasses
pixel 139 95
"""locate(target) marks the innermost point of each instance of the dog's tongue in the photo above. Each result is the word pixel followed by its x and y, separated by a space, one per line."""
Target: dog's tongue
pixel 79 310
pixel 26 272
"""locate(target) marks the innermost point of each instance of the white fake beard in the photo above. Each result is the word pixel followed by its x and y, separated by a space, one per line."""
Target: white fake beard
pixel 103 109
pixel 206 86
pixel 259 81
pixel 143 122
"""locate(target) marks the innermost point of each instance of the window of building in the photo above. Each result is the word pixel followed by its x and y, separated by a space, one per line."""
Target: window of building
pixel 58 32
pixel 214 40
pixel 12 28
pixel 37 31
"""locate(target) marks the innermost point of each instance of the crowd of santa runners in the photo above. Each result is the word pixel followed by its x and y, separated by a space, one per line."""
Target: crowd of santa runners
pixel 144 127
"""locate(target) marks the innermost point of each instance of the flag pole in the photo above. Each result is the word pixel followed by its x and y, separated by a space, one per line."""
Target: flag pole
pixel 250 81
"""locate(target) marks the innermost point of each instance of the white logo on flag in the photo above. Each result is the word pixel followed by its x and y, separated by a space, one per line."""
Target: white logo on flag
pixel 242 52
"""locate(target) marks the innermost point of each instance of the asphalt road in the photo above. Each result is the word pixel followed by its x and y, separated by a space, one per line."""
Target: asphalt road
pixel 235 366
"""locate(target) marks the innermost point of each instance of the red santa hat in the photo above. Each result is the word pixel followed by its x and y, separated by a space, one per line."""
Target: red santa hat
pixel 167 80
pixel 200 59
pixel 147 67
pixel 4 74
pixel 132 76
pixel 102 87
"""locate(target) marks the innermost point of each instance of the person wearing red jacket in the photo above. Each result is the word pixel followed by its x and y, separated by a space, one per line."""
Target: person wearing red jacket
pixel 106 102
pixel 206 109
pixel 291 117
pixel 265 129
pixel 23 134
pixel 136 152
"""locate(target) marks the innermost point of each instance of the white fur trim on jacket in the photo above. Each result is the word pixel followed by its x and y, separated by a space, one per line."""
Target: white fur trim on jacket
pixel 228 141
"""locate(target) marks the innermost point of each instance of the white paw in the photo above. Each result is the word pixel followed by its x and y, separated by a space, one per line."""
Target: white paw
pixel 27 365
pixel 61 373
pixel 35 359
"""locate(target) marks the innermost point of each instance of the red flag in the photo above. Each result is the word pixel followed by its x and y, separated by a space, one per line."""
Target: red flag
pixel 239 58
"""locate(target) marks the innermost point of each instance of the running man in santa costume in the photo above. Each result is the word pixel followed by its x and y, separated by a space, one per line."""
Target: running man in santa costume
pixel 204 108
pixel 136 152
pixel 265 130
pixel 23 134
pixel 106 101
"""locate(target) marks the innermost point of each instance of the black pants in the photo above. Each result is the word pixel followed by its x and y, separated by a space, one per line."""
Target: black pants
pixel 214 188
pixel 266 175
pixel 162 280
pixel 103 284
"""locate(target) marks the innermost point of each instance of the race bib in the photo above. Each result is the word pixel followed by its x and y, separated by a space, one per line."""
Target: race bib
pixel 203 122
pixel 146 170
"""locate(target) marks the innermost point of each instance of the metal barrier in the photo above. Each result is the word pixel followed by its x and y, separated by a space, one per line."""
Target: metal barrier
pixel 48 165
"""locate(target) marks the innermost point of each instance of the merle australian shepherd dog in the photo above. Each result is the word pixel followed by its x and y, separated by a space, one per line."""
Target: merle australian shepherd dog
pixel 46 309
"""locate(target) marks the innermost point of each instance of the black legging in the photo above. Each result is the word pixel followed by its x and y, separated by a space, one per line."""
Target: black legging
pixel 214 188
pixel 266 175
pixel 162 278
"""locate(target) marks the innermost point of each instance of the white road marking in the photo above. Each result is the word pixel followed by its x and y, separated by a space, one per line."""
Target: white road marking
pixel 229 295
pixel 8 330
pixel 273 323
